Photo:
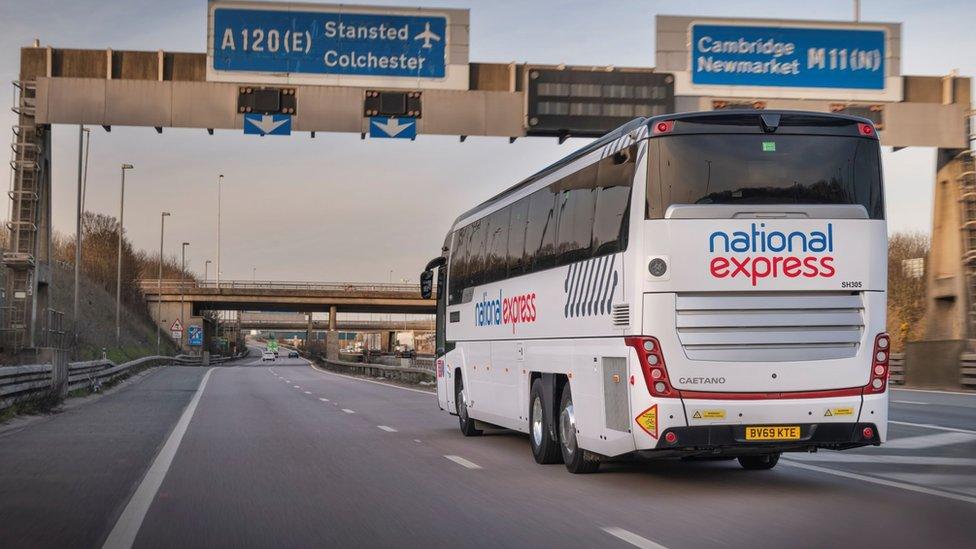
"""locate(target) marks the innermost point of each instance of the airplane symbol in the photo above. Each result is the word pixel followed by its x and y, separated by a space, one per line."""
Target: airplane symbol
pixel 427 36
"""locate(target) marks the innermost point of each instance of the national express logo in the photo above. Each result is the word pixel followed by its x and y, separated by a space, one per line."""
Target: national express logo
pixel 505 310
pixel 796 254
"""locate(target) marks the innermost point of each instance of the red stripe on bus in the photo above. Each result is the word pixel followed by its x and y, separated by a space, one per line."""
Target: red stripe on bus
pixel 712 395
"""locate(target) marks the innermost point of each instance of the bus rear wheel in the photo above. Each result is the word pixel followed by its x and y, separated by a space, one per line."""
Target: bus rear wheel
pixel 759 463
pixel 467 424
pixel 545 449
pixel 574 457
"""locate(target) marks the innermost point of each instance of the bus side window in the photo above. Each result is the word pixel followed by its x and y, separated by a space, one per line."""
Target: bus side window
pixel 458 272
pixel 577 203
pixel 540 233
pixel 496 246
pixel 476 252
pixel 516 237
pixel 615 178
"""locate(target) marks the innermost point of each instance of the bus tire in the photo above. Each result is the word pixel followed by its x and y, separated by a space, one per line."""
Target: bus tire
pixel 760 462
pixel 467 424
pixel 577 460
pixel 545 449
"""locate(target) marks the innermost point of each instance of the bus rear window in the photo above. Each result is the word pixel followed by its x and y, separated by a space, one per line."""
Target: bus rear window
pixel 763 169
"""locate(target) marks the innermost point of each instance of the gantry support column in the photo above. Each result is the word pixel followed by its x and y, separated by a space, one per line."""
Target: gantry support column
pixel 332 336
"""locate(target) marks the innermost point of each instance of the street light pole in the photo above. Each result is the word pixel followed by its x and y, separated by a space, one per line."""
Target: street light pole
pixel 81 139
pixel 206 266
pixel 254 274
pixel 159 281
pixel 182 292
pixel 220 180
pixel 118 270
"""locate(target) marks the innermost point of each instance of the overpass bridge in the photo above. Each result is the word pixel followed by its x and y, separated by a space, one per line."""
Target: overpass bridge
pixel 170 301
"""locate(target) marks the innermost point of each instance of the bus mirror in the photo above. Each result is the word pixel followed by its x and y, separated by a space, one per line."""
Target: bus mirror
pixel 426 284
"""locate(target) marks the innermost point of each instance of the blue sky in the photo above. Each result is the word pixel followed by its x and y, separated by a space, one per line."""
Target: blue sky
pixel 337 208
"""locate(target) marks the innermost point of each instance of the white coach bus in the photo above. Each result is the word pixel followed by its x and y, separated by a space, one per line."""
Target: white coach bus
pixel 694 285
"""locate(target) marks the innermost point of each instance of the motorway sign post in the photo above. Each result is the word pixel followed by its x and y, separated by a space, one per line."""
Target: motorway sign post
pixel 176 330
pixel 194 335
pixel 282 41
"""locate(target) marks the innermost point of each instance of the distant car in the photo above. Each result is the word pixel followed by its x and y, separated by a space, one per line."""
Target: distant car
pixel 292 354
pixel 267 355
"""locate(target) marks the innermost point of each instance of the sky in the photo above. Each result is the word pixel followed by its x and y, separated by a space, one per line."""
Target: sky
pixel 336 208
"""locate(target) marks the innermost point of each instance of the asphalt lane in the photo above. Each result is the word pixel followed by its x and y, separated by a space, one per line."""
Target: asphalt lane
pixel 64 481
pixel 283 455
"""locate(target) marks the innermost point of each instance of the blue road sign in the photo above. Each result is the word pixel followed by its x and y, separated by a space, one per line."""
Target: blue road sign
pixel 733 55
pixel 194 335
pixel 396 128
pixel 267 124
pixel 329 42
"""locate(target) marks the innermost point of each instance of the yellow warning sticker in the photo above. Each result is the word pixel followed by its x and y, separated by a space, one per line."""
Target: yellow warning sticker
pixel 839 412
pixel 648 421
pixel 709 414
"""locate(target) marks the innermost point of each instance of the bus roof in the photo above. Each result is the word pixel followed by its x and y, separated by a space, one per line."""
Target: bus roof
pixel 722 121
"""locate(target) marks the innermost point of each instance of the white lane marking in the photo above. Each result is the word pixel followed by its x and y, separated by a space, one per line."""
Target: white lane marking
pixel 929 441
pixel 882 482
pixel 387 429
pixel 837 457
pixel 930 426
pixel 124 532
pixel 909 402
pixel 348 411
pixel 324 399
pixel 632 538
pixel 320 370
pixel 308 392
pixel 463 462
pixel 417 440
pixel 297 386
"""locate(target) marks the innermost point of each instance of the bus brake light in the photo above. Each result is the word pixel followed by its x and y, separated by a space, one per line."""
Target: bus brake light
pixel 879 365
pixel 652 365
pixel 664 126
pixel 866 130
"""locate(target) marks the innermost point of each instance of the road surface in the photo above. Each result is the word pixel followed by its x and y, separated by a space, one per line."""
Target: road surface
pixel 283 455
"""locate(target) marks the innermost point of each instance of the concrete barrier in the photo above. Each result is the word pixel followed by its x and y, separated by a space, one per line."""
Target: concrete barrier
pixel 411 375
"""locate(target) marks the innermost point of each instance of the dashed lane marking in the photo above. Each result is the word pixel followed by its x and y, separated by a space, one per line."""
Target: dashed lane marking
pixel 308 392
pixel 632 538
pixel 387 429
pixel 297 386
pixel 348 411
pixel 910 402
pixel 463 462
pixel 324 399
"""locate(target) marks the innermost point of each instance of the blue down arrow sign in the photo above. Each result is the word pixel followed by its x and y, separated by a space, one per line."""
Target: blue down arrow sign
pixel 390 127
pixel 267 124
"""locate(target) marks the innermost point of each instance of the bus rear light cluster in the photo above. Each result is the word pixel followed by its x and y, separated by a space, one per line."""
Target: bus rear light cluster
pixel 665 126
pixel 652 365
pixel 879 364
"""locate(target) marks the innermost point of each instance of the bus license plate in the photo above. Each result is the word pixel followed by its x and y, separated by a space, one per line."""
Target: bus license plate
pixel 780 432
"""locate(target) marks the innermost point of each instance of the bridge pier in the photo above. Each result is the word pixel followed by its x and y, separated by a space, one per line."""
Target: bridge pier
pixel 332 336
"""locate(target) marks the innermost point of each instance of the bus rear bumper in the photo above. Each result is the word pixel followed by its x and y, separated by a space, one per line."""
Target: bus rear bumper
pixel 730 440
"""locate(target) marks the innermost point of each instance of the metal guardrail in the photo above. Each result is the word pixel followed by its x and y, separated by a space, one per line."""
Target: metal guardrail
pixel 150 286
pixel 30 381
pixel 967 371
pixel 896 369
